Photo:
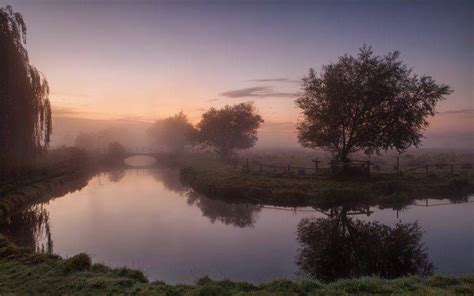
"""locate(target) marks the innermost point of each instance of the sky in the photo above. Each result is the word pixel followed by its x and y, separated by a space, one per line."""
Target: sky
pixel 144 60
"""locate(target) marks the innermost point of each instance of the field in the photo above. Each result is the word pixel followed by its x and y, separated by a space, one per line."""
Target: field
pixel 234 182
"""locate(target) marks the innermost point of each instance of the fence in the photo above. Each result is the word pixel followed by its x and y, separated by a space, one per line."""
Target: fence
pixel 356 167
pixel 439 169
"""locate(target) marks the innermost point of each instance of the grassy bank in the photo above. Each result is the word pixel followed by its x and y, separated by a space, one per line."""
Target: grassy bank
pixel 14 196
pixel 25 272
pixel 219 180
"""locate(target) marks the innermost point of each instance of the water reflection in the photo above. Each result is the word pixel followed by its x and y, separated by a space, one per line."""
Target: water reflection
pixel 341 246
pixel 116 175
pixel 235 214
pixel 170 179
pixel 146 219
pixel 29 229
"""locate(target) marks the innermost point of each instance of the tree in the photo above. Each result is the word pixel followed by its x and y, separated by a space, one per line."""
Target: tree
pixel 25 110
pixel 86 141
pixel 173 132
pixel 115 151
pixel 366 103
pixel 230 128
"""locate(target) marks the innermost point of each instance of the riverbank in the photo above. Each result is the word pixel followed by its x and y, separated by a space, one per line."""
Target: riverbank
pixel 223 181
pixel 22 271
pixel 39 188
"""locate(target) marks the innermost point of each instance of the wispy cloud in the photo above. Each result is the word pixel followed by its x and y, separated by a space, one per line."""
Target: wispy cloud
pixel 65 111
pixel 211 100
pixel 257 92
pixel 460 111
pixel 281 79
pixel 77 112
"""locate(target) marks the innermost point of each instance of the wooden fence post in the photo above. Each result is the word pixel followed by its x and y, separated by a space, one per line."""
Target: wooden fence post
pixel 315 166
pixel 398 165
pixel 427 170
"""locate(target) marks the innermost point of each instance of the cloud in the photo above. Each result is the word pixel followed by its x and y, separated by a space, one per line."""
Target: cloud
pixel 257 92
pixel 65 111
pixel 211 100
pixel 281 79
pixel 460 111
pixel 69 94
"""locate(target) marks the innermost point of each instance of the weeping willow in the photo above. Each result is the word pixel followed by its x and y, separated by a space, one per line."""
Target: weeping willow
pixel 25 110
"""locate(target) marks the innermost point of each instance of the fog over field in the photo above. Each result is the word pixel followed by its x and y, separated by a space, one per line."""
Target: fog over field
pixel 448 130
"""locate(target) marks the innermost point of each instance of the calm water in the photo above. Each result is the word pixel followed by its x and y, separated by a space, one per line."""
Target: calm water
pixel 145 219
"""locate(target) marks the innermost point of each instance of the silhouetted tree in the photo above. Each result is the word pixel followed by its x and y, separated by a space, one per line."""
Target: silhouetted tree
pixel 115 150
pixel 87 141
pixel 173 132
pixel 25 111
pixel 341 247
pixel 229 128
pixel 366 103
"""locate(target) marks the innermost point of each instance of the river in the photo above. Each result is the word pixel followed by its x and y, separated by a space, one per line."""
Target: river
pixel 146 219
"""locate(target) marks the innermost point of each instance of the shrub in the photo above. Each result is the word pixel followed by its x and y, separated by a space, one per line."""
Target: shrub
pixel 80 262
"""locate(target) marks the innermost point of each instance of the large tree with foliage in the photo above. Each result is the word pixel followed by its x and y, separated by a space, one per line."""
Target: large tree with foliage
pixel 229 128
pixel 25 111
pixel 173 132
pixel 366 103
pixel 115 151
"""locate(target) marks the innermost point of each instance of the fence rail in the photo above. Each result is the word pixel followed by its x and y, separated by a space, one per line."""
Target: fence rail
pixel 447 169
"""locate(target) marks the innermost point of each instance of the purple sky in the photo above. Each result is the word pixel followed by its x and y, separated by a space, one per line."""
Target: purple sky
pixel 151 59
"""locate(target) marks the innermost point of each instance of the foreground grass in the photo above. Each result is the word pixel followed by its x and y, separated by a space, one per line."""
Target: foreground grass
pixel 218 180
pixel 25 272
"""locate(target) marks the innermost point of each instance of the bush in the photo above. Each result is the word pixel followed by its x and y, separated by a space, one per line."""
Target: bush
pixel 132 274
pixel 80 262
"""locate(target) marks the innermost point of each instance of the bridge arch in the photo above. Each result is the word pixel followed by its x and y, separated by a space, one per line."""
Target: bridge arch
pixel 140 159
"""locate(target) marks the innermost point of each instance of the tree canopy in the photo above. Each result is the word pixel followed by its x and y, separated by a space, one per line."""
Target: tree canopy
pixel 25 110
pixel 115 150
pixel 366 103
pixel 229 128
pixel 173 132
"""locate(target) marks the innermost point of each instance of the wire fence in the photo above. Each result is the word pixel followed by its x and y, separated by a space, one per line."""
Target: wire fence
pixel 321 169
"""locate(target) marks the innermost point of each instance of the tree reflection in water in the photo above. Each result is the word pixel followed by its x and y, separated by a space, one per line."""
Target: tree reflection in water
pixel 340 246
pixel 30 229
pixel 170 179
pixel 116 175
pixel 237 214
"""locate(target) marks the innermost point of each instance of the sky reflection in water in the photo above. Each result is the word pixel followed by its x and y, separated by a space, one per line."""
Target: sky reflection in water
pixel 146 219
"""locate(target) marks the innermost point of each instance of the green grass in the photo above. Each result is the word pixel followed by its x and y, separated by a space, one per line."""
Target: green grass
pixel 219 180
pixel 24 272
pixel 14 197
